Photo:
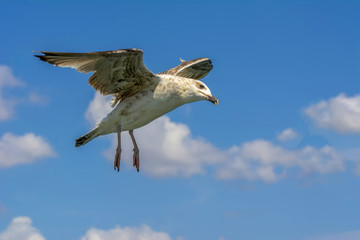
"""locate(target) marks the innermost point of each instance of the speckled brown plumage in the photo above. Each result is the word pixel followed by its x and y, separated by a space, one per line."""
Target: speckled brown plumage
pixel 195 69
pixel 120 72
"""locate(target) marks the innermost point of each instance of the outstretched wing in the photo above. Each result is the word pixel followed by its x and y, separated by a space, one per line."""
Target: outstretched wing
pixel 121 72
pixel 196 69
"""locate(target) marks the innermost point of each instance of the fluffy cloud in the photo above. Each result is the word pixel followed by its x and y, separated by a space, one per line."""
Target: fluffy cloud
pixel 7 79
pixel 340 113
pixel 168 149
pixel 21 229
pixel 287 134
pixel 16 150
pixel 263 160
pixel 98 108
pixel 28 148
pixel 143 232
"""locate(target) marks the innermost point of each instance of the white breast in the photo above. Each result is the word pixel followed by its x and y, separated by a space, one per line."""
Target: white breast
pixel 140 109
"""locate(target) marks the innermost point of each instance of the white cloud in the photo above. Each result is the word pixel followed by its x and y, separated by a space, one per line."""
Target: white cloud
pixel 28 148
pixel 16 150
pixel 143 232
pixel 287 134
pixel 168 149
pixel 7 103
pixel 352 155
pixel 7 79
pixel 263 160
pixel 350 235
pixel 98 108
pixel 38 99
pixel 21 229
pixel 340 113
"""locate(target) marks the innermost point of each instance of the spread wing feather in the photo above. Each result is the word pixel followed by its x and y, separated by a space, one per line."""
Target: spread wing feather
pixel 196 69
pixel 120 72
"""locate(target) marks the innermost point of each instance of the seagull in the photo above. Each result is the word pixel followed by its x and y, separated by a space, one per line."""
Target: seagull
pixel 139 96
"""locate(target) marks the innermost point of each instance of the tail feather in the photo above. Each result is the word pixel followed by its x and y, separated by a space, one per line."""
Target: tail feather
pixel 87 137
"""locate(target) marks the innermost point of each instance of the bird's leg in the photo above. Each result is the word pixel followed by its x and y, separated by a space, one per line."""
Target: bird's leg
pixel 136 158
pixel 118 150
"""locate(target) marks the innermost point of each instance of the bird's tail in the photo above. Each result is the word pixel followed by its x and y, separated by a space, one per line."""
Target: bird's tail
pixel 87 137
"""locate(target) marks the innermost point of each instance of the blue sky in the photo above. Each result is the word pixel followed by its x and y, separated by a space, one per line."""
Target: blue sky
pixel 279 158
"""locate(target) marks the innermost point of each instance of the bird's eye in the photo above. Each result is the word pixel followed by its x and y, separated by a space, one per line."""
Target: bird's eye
pixel 201 86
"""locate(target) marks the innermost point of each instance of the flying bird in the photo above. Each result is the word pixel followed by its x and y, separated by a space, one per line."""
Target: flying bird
pixel 139 96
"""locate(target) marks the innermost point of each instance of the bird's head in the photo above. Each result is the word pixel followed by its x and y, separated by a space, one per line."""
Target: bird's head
pixel 201 92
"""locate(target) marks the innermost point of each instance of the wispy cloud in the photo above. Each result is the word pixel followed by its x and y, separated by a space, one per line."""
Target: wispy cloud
pixel 8 103
pixel 15 150
pixel 287 134
pixel 341 114
pixel 353 155
pixel 36 98
pixel 21 229
pixel 7 79
pixel 143 232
